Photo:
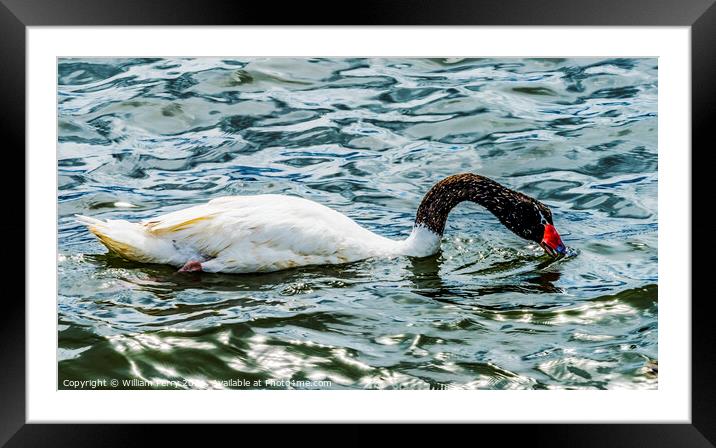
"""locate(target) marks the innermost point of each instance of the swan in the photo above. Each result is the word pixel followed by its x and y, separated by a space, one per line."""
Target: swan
pixel 269 232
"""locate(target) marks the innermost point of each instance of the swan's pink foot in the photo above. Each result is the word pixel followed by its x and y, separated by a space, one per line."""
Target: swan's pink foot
pixel 191 266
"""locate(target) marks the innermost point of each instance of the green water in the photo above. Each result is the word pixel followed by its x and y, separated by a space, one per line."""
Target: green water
pixel 367 137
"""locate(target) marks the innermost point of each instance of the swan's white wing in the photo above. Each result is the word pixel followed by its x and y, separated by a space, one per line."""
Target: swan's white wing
pixel 179 220
pixel 266 232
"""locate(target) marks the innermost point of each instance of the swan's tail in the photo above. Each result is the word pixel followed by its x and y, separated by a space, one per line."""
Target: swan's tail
pixel 126 239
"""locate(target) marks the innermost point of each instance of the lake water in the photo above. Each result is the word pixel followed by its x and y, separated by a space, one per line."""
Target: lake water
pixel 367 137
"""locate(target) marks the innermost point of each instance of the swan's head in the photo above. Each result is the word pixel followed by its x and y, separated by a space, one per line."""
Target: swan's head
pixel 532 220
pixel 546 234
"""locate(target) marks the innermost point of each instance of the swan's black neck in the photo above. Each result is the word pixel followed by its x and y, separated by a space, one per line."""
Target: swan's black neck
pixel 518 212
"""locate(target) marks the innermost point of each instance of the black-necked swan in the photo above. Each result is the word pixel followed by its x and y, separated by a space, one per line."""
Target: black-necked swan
pixel 269 232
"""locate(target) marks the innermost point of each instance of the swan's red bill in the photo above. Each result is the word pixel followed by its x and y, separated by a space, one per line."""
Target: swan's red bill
pixel 551 241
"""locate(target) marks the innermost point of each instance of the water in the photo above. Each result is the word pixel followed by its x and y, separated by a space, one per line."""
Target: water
pixel 367 137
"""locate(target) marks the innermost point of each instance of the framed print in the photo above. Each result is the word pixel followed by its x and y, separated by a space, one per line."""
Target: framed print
pixel 470 213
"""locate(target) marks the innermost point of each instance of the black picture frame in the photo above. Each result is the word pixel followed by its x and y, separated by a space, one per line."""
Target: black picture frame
pixel 16 15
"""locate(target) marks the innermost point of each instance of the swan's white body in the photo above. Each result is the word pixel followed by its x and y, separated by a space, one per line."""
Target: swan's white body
pixel 254 234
